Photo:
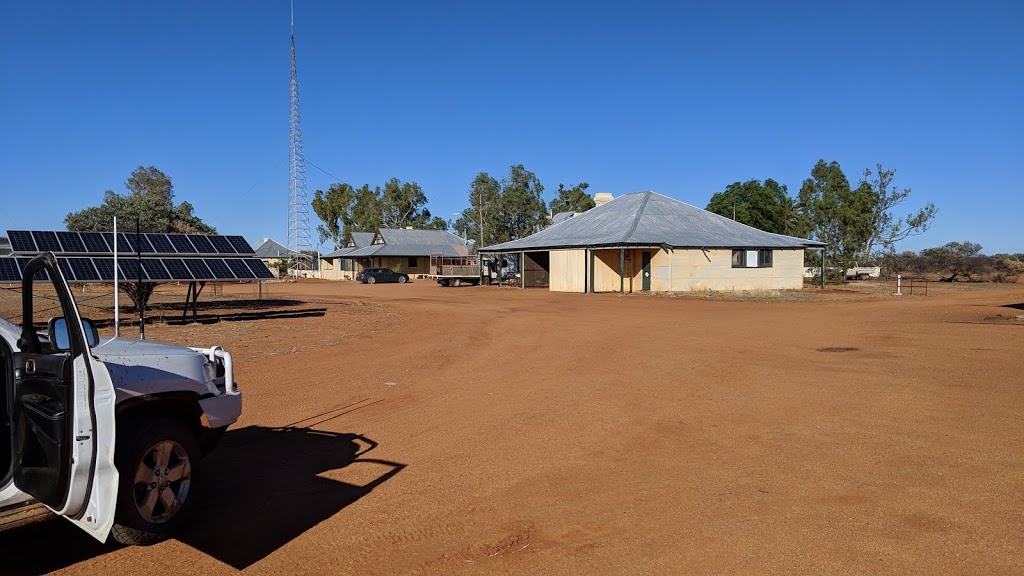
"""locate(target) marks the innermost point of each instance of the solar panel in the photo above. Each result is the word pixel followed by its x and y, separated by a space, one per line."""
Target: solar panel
pixel 84 270
pixel 9 270
pixel 156 270
pixel 71 242
pixel 181 244
pixel 238 268
pixel 21 241
pixel 219 269
pixel 221 244
pixel 94 242
pixel 65 269
pixel 199 270
pixel 176 268
pixel 130 270
pixel 40 274
pixel 105 268
pixel 143 244
pixel 125 243
pixel 240 245
pixel 259 269
pixel 161 245
pixel 202 244
pixel 46 241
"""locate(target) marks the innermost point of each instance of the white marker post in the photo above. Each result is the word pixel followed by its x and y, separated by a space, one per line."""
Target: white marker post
pixel 899 284
pixel 117 306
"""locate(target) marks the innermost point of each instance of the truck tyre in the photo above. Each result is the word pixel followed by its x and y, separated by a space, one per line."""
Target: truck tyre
pixel 456 282
pixel 156 489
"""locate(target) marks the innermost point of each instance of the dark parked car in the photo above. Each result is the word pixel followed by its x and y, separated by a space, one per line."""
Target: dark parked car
pixel 374 275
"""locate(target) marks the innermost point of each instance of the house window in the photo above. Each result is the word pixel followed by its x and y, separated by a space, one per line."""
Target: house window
pixel 751 258
pixel 412 262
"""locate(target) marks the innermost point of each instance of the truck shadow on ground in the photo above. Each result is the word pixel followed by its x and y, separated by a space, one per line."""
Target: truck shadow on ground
pixel 263 488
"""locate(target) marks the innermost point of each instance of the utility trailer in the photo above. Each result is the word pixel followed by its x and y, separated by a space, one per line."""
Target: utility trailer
pixel 457 271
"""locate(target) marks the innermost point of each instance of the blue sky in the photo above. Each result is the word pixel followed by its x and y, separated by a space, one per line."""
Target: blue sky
pixel 678 97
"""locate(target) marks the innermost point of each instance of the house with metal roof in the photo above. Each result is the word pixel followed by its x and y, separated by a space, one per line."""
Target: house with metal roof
pixel 402 249
pixel 646 241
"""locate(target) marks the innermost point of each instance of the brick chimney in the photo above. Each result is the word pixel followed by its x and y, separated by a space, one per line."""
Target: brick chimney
pixel 603 198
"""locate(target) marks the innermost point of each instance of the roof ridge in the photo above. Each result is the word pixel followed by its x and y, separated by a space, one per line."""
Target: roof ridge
pixel 639 213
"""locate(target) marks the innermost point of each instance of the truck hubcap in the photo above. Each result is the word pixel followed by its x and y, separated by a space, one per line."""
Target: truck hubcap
pixel 162 481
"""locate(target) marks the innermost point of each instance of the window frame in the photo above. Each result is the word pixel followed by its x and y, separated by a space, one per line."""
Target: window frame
pixel 765 257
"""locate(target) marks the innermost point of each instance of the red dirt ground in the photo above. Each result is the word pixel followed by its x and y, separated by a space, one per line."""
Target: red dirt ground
pixel 414 429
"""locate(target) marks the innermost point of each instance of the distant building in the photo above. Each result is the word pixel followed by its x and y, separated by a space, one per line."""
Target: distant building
pixel 5 246
pixel 401 249
pixel 646 241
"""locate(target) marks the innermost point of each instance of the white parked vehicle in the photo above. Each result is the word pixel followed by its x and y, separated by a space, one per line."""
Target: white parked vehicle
pixel 109 434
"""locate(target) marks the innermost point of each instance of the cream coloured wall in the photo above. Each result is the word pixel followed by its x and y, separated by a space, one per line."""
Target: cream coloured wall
pixel 692 270
pixel 685 270
pixel 568 271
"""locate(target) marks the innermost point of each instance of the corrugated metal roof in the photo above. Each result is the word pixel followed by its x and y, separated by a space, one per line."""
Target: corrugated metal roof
pixel 270 249
pixel 338 252
pixel 362 239
pixel 650 219
pixel 404 237
pixel 561 217
pixel 400 242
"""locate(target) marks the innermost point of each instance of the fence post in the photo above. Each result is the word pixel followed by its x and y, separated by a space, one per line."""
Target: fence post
pixel 899 282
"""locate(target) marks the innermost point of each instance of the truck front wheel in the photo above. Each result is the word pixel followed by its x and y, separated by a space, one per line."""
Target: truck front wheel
pixel 156 490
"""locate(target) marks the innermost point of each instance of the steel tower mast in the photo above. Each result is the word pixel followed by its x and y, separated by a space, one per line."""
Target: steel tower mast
pixel 298 202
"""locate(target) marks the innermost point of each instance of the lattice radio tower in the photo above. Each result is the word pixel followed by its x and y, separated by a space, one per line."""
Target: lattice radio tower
pixel 298 202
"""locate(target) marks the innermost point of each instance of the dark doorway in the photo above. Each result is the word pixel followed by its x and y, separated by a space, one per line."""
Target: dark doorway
pixel 646 261
pixel 537 269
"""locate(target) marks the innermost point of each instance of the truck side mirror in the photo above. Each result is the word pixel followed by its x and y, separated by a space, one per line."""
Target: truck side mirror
pixel 58 331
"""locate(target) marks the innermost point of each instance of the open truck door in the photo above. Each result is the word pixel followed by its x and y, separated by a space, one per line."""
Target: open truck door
pixel 62 413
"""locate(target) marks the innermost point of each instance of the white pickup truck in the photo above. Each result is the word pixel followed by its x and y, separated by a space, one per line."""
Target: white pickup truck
pixel 109 434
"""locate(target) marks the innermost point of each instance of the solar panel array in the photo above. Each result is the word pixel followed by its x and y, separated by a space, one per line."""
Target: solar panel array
pixel 36 242
pixel 88 257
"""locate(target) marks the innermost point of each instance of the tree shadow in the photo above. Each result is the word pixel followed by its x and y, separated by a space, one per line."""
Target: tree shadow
pixel 263 488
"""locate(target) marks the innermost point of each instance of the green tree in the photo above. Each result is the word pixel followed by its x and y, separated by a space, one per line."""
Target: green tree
pixel 366 210
pixel 764 206
pixel 521 207
pixel 956 258
pixel 149 205
pixel 334 208
pixel 403 204
pixel 839 216
pixel 480 220
pixel 887 229
pixel 574 199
